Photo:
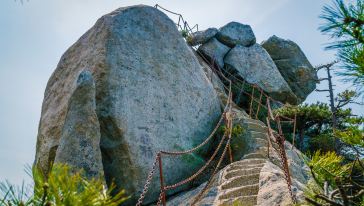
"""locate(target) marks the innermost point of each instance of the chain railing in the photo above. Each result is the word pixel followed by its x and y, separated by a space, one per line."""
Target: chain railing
pixel 181 24
pixel 277 119
pixel 227 118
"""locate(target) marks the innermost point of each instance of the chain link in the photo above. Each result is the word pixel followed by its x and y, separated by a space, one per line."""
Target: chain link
pixel 284 163
pixel 229 129
pixel 227 114
pixel 147 183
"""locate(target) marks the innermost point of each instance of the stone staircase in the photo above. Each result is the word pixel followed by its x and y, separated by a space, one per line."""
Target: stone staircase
pixel 239 182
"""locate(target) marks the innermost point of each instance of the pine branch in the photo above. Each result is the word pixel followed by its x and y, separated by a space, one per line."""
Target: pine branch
pixel 324 198
pixel 313 202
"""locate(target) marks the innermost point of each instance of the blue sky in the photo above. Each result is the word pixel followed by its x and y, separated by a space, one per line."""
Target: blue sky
pixel 35 34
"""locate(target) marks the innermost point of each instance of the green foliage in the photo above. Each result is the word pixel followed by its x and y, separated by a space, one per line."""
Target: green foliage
pixel 324 142
pixel 308 115
pixel 63 187
pixel 353 135
pixel 184 33
pixel 328 166
pixel 345 23
pixel 315 121
pixel 335 181
pixel 236 131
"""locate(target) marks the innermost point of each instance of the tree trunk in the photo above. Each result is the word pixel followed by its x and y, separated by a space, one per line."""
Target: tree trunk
pixel 332 101
pixel 301 137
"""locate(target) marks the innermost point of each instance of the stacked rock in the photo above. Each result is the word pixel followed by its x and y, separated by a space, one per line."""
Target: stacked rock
pixel 277 66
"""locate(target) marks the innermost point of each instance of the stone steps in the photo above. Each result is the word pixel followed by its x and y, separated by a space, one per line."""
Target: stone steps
pixel 244 190
pixel 245 164
pixel 250 200
pixel 241 170
pixel 256 155
pixel 240 180
pixel 257 127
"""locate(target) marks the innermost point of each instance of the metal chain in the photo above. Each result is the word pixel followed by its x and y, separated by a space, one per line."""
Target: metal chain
pixel 204 142
pixel 161 196
pixel 284 163
pixel 147 183
pixel 229 129
pixel 146 186
pixel 279 139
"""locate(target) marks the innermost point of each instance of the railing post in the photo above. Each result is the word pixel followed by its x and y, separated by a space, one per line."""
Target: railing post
pixel 161 179
pixel 260 102
pixel 294 129
pixel 251 102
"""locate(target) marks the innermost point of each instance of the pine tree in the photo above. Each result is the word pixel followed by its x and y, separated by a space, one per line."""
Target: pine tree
pixel 344 22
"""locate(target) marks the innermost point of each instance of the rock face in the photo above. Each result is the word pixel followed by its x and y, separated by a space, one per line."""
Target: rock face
pixel 235 33
pixel 293 65
pixel 201 37
pixel 79 145
pixel 256 67
pixel 214 50
pixel 151 95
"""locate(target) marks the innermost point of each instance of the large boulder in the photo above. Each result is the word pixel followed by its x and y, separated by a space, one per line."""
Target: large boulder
pixel 235 33
pixel 201 37
pixel 214 51
pixel 255 66
pixel 293 65
pixel 151 95
pixel 79 145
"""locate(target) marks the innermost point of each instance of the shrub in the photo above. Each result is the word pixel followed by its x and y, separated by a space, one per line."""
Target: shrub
pixel 62 186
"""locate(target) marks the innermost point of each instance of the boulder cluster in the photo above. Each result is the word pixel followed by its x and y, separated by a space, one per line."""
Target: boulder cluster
pixel 277 66
pixel 131 87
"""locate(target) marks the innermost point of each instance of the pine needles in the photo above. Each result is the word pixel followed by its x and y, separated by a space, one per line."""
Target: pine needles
pixel 62 187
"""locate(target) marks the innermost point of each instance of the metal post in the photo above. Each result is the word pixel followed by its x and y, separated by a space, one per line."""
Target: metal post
pixel 294 129
pixel 251 102
pixel 161 179
pixel 260 102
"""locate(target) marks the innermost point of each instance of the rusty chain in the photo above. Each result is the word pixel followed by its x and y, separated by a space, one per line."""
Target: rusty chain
pixel 279 139
pixel 148 181
pixel 284 164
pixel 226 114
pixel 229 129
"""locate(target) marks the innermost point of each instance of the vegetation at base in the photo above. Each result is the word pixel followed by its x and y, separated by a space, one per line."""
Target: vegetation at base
pixel 64 187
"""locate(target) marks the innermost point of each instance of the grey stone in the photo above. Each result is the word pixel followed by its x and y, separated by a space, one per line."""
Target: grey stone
pixel 151 95
pixel 201 37
pixel 272 179
pixel 211 75
pixel 255 66
pixel 79 144
pixel 293 65
pixel 214 51
pixel 235 33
